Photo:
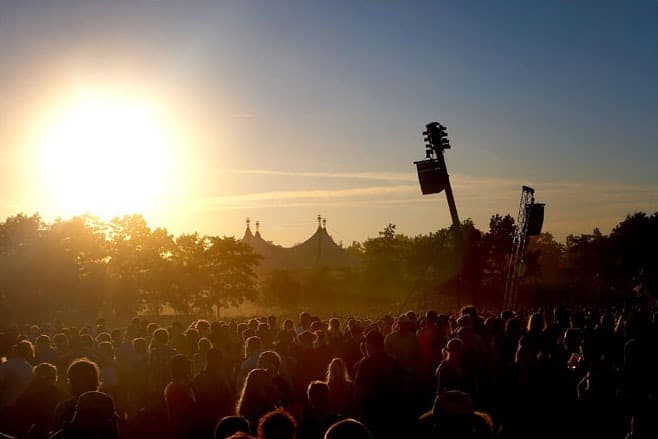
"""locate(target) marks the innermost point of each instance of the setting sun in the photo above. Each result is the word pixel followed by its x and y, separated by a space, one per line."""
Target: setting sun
pixel 106 153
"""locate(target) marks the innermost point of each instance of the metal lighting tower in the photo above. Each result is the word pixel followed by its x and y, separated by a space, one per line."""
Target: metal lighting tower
pixel 529 222
pixel 433 178
pixel 432 172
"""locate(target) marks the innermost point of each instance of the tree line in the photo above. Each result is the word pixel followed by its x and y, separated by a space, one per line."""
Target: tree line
pixel 87 267
pixel 452 266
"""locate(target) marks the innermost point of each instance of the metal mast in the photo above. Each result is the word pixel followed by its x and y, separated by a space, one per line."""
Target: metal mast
pixel 432 172
pixel 434 178
pixel 449 196
pixel 518 247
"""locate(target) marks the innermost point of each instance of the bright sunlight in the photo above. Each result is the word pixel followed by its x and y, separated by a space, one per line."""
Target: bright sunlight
pixel 107 153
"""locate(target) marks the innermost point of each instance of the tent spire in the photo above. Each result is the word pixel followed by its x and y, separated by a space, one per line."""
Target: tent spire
pixel 247 232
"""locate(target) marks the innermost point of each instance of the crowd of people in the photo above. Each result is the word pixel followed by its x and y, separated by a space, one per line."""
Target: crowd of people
pixel 563 372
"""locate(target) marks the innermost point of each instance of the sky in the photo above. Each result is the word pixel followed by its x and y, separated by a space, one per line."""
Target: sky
pixel 283 110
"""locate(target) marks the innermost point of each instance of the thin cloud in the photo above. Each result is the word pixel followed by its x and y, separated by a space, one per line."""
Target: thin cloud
pixel 383 176
pixel 320 195
pixel 476 191
pixel 286 204
pixel 458 180
pixel 572 207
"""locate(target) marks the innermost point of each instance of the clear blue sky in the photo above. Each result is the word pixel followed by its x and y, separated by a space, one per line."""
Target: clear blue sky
pixel 562 95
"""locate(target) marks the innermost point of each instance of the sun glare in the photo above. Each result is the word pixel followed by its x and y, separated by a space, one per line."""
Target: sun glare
pixel 106 153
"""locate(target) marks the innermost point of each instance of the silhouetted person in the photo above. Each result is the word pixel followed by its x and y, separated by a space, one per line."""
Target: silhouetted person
pixel 134 369
pixel 554 330
pixel 383 407
pixel 473 356
pixel 310 365
pixel 304 322
pixel 252 349
pixel 200 358
pixel 431 341
pixel 214 391
pixel 449 374
pixel 44 352
pixel 639 387
pixel 334 336
pixel 36 407
pixel 82 377
pixel 352 347
pixel 402 344
pixel 108 368
pixel 16 373
pixel 94 417
pixel 600 409
pixel 319 416
pixel 452 416
pixel 85 348
pixel 281 381
pixel 180 400
pixel 160 355
pixel 65 357
pixel 348 429
pixel 229 425
pixel 512 335
pixel 535 337
pixel 256 398
pixel 338 380
pixel 277 424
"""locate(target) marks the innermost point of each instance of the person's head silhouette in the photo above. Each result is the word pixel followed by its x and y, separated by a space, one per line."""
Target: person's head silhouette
pixel 277 424
pixel 453 350
pixel 374 343
pixel 181 369
pixel 318 396
pixel 45 373
pixel 83 376
pixel 348 429
pixel 229 425
pixel 337 371
pixel 24 350
pixel 270 361
pixel 95 415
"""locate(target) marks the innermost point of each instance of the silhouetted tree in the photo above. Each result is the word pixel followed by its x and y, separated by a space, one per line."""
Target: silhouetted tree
pixel 23 267
pixel 385 262
pixel 229 265
pixel 280 288
pixel 355 248
pixel 84 266
pixel 190 271
pixel 634 241
pixel 550 259
pixel 138 266
pixel 499 246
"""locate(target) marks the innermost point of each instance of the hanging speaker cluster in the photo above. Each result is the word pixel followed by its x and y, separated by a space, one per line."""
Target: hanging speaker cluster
pixel 431 176
pixel 535 214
